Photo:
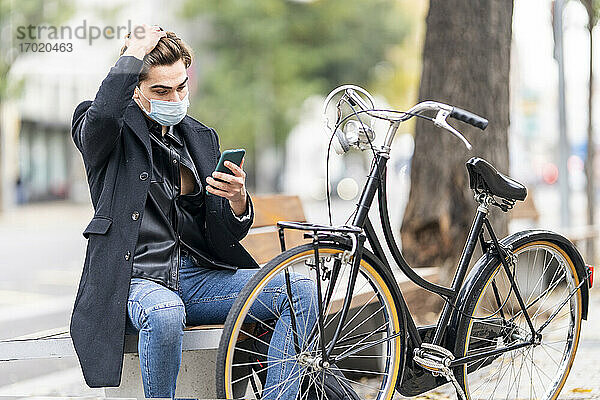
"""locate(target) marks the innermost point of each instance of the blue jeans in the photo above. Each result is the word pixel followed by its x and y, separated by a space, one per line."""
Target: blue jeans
pixel 205 296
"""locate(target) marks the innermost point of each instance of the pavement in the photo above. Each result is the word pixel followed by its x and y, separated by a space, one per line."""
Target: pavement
pixel 583 382
pixel 42 257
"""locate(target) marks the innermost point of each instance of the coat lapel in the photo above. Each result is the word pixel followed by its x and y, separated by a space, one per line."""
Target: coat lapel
pixel 134 118
pixel 197 137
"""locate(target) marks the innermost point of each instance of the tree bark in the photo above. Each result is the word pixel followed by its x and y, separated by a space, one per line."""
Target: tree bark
pixel 466 63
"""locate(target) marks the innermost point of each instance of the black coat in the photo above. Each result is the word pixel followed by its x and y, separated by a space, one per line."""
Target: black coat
pixel 113 138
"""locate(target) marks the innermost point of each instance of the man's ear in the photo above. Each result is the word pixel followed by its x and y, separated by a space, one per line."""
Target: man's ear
pixel 136 95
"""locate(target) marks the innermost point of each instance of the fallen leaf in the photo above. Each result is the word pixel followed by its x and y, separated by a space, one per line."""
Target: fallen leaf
pixel 581 390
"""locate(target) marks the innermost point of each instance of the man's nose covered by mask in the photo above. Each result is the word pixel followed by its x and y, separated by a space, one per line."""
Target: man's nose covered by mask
pixel 166 113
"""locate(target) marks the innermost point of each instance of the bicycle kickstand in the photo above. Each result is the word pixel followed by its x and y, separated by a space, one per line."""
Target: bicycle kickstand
pixel 437 359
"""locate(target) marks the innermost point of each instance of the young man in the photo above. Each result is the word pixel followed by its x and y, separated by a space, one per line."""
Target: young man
pixel 163 246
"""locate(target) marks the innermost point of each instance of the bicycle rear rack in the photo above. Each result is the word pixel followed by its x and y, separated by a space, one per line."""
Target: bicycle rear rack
pixel 358 238
pixel 344 230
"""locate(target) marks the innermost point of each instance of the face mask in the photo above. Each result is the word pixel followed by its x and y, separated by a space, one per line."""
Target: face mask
pixel 167 113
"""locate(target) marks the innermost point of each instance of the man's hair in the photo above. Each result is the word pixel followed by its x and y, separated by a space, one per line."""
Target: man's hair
pixel 167 51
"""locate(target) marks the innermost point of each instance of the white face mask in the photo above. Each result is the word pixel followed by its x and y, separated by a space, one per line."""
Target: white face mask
pixel 166 113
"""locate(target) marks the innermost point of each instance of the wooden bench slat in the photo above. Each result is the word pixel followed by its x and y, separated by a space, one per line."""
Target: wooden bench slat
pixel 264 246
pixel 268 209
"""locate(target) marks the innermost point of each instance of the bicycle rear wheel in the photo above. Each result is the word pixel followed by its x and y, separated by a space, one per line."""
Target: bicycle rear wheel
pixel 547 280
pixel 366 358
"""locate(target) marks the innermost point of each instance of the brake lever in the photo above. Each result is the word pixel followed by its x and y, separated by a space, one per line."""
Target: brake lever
pixel 440 122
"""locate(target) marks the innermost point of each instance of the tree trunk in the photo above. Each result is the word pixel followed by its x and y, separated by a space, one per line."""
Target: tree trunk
pixel 466 63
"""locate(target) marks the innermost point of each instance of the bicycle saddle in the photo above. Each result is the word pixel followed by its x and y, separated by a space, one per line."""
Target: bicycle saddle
pixel 484 177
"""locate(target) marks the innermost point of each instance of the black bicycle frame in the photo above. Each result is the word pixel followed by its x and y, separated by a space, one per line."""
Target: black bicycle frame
pixel 376 183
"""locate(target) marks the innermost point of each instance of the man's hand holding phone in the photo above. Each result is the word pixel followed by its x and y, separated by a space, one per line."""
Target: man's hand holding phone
pixel 232 187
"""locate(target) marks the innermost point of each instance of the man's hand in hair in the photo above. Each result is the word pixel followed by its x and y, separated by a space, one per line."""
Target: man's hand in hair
pixel 142 40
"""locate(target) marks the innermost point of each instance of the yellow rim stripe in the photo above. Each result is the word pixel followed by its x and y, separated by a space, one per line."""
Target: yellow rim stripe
pixel 576 277
pixel 365 265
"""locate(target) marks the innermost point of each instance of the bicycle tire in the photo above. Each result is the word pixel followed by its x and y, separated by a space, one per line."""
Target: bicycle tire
pixel 485 327
pixel 230 345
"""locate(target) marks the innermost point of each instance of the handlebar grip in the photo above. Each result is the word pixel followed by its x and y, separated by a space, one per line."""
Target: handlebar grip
pixel 469 118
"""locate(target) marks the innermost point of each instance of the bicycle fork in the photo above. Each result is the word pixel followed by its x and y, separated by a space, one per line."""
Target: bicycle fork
pixel 323 299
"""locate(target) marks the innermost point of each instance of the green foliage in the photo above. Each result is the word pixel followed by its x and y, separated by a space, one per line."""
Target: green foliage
pixel 260 59
pixel 15 13
pixel 592 8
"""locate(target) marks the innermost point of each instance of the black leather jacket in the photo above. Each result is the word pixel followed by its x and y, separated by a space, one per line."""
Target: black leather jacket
pixel 172 223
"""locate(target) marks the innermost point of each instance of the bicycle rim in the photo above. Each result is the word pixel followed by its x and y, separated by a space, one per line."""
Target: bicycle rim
pixel 546 279
pixel 371 371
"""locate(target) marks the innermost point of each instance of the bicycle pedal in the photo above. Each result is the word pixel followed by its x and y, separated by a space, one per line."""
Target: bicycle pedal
pixel 434 348
pixel 432 357
pixel 430 364
pixel 434 353
pixel 437 359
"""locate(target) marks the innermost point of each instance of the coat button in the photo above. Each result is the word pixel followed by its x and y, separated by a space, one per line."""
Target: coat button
pixel 127 256
pixel 144 176
pixel 135 215
pixel 174 161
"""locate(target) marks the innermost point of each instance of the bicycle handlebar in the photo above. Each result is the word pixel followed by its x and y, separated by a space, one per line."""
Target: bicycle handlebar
pixel 444 111
pixel 469 118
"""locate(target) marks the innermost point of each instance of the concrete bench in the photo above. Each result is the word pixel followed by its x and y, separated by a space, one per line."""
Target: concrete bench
pixel 196 376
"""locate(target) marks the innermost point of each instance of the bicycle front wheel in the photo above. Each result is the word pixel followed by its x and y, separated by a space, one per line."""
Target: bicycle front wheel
pixel 538 366
pixel 255 361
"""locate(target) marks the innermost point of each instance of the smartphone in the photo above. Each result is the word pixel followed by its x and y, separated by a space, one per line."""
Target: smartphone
pixel 233 155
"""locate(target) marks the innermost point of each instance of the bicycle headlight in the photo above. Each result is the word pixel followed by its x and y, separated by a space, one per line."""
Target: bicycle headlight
pixel 353 127
pixel 358 134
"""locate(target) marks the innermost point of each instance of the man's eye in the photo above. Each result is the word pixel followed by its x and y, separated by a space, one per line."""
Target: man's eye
pixel 161 92
pixel 180 88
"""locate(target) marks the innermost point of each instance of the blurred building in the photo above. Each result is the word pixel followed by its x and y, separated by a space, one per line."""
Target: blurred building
pixel 40 160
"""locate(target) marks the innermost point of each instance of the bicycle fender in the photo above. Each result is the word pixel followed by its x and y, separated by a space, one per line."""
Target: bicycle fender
pixel 387 274
pixel 488 261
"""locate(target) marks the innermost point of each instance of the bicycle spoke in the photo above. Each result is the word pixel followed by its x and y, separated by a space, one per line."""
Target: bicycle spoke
pixel 359 384
pixel 550 285
pixel 260 340
pixel 272 364
pixel 279 320
pixel 338 313
pixel 362 323
pixel 270 389
pixel 359 342
pixel 367 327
pixel 257 363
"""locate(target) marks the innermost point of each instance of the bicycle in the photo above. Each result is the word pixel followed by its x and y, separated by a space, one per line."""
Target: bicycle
pixel 508 329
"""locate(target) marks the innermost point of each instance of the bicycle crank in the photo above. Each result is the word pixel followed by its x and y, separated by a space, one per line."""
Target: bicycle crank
pixel 437 359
